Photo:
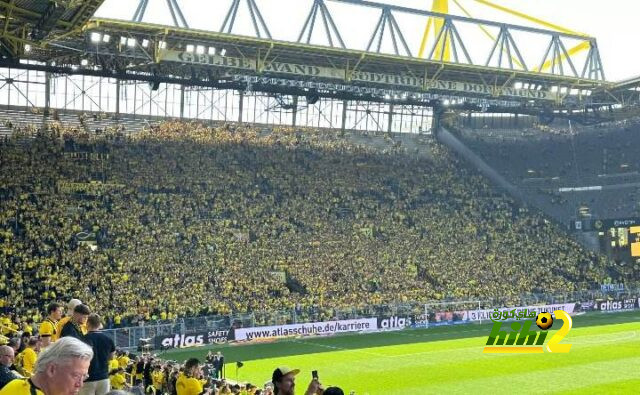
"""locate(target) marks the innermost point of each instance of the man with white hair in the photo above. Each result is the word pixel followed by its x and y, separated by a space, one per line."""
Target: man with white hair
pixel 6 360
pixel 60 370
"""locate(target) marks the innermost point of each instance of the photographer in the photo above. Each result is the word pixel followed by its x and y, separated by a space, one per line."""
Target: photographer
pixel 190 381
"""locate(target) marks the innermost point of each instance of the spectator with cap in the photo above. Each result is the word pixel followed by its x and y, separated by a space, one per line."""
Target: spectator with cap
pixel 6 360
pixel 284 382
pixel 74 327
pixel 60 370
pixel 103 350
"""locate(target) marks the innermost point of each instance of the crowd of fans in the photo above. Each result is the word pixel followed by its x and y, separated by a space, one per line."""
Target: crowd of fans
pixel 182 219
pixel 80 359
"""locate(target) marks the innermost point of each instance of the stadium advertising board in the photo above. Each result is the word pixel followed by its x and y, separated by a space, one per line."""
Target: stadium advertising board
pixel 420 321
pixel 191 339
pixel 393 323
pixel 301 70
pixel 615 223
pixel 514 312
pixel 306 329
pixel 609 306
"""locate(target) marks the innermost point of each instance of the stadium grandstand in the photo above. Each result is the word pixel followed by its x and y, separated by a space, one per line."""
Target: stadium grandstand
pixel 265 192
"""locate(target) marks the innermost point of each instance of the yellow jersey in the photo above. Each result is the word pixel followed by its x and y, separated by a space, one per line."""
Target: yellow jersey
pixel 113 365
pixel 48 329
pixel 26 328
pixel 20 387
pixel 29 357
pixel 117 381
pixel 123 361
pixel 188 385
pixel 157 378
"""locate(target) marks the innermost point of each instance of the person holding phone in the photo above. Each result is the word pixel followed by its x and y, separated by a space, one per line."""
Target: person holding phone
pixel 284 382
pixel 190 381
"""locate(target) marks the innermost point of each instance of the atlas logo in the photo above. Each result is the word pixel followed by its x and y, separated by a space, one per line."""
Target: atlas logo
pixel 609 305
pixel 179 341
pixel 394 322
pixel 612 305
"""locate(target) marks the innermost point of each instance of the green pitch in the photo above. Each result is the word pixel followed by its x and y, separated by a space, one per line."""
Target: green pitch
pixel 604 358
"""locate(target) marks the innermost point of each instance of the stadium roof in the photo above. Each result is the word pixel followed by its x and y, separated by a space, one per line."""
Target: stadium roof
pixel 33 19
pixel 65 43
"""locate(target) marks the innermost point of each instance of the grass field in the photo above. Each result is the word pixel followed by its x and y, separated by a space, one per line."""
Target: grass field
pixel 604 358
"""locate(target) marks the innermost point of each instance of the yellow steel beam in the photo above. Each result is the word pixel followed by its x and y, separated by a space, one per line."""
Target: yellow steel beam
pixel 530 18
pixel 578 48
pixel 425 37
pixel 444 9
pixel 487 32
pixel 443 46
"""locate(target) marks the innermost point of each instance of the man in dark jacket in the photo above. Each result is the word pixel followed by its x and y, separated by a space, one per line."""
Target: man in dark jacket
pixel 6 360
pixel 103 351
pixel 74 326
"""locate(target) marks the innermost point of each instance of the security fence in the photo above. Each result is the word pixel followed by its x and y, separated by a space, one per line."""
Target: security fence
pixel 202 330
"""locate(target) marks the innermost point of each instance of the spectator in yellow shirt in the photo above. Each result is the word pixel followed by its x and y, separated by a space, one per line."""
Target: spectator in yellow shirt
pixel 29 356
pixel 157 380
pixel 27 326
pixel 114 364
pixel 188 382
pixel 48 330
pixel 123 360
pixel 118 380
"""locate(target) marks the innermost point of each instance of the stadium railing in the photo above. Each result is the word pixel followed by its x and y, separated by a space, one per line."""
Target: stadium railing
pixel 129 337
